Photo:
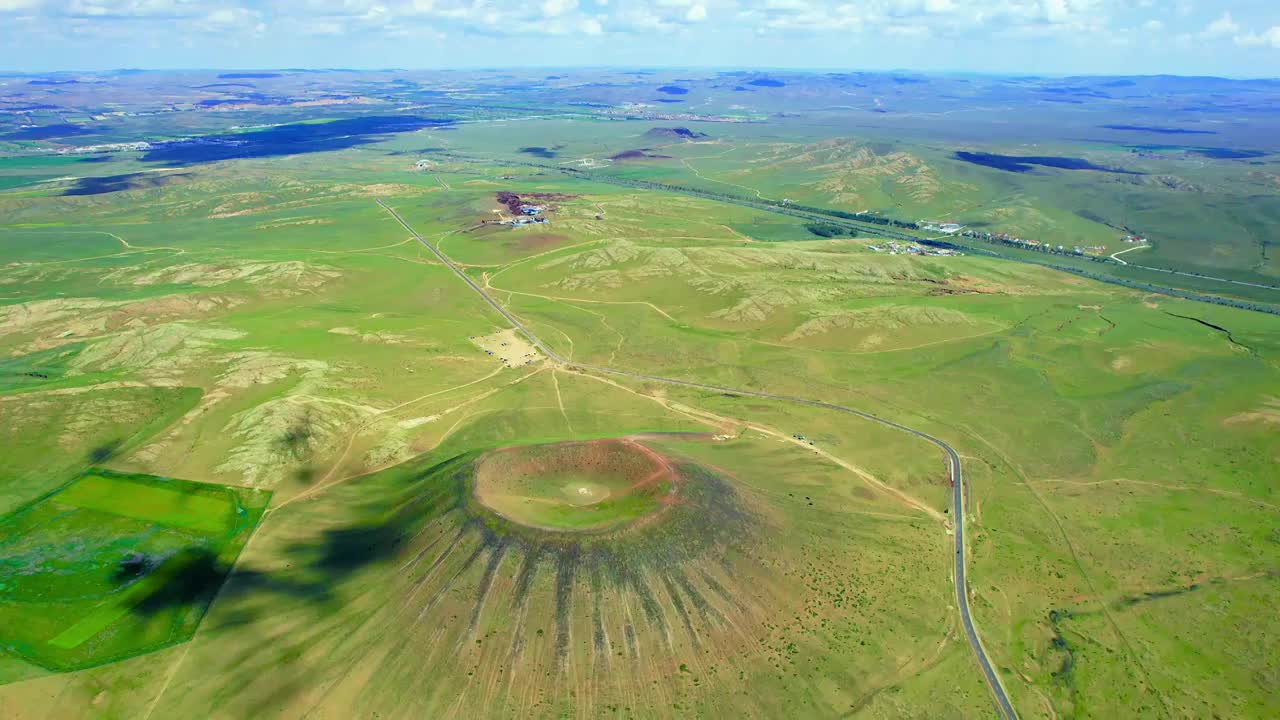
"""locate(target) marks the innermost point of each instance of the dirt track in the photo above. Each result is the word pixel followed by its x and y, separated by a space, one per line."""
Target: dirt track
pixel 1003 705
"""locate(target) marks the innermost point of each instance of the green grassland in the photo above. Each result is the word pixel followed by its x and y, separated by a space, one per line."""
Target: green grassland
pixel 264 330
pixel 1206 216
pixel 114 565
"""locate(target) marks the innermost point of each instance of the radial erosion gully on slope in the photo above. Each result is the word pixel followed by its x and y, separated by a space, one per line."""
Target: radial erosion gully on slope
pixel 954 469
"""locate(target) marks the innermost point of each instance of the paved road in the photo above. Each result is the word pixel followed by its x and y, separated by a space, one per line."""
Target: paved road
pixel 953 459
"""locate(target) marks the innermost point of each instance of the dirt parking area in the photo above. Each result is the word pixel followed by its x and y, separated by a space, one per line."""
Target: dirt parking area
pixel 508 347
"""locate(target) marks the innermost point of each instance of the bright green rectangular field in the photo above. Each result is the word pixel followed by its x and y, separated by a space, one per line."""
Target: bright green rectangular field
pixel 113 565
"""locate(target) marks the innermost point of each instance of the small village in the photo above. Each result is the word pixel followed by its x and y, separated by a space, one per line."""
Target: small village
pixel 893 247
pixel 951 228
pixel 1048 247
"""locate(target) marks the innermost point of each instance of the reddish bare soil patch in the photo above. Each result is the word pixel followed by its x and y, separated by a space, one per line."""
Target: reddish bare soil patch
pixel 513 201
pixel 576 486
pixel 541 241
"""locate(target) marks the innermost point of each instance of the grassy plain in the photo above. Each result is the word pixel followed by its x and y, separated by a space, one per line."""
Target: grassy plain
pixel 113 565
pixel 263 324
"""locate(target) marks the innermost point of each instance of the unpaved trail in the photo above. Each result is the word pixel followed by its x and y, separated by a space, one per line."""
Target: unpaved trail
pixel 555 379
pixel 1116 255
pixel 559 298
pixel 326 482
pixel 694 170
pixel 129 249
pixel 507 266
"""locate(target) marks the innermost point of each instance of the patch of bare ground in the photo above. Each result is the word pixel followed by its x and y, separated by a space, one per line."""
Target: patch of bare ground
pixel 241 370
pixel 280 435
pixel 50 323
pixel 259 367
pixel 380 337
pixel 1268 413
pixel 541 241
pixel 285 277
pixel 161 351
pixel 509 347
pixel 888 317
pixel 292 222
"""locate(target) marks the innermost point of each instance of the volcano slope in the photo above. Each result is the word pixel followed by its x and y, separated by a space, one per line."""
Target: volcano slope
pixel 432 604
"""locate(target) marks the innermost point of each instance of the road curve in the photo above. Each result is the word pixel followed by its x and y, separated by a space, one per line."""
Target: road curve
pixel 954 468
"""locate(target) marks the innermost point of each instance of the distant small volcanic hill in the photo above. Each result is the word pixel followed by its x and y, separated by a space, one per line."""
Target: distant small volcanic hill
pixel 674 133
pixel 641 154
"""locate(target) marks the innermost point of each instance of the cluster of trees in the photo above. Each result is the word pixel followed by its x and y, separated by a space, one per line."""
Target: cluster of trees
pixel 856 217
pixel 1148 287
pixel 829 230
pixel 1185 294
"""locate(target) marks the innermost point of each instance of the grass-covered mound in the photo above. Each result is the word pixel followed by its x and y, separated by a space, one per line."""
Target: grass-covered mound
pixel 575 486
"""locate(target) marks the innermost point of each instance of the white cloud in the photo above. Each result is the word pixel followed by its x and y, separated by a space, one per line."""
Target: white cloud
pixel 137 8
pixel 1056 11
pixel 15 5
pixel 1221 27
pixel 911 31
pixel 556 8
pixel 1267 37
pixel 1063 25
pixel 323 27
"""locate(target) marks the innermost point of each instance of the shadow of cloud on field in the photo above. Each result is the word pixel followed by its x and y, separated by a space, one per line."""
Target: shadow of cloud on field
pixel 195 575
pixel 46 132
pixel 104 452
pixel 1026 163
pixel 190 576
pixel 312 569
pixel 541 152
pixel 295 139
pixel 343 550
pixel 131 567
pixel 119 183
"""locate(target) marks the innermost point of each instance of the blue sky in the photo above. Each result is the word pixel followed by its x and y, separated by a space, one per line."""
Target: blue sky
pixel 1223 37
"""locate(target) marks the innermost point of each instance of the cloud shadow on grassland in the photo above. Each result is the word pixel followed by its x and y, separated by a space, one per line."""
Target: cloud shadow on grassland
pixel 282 140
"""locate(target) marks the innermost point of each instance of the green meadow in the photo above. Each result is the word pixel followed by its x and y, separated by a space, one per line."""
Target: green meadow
pixel 256 350
pixel 115 565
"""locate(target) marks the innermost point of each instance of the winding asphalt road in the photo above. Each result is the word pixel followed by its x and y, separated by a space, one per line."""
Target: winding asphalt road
pixel 953 459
